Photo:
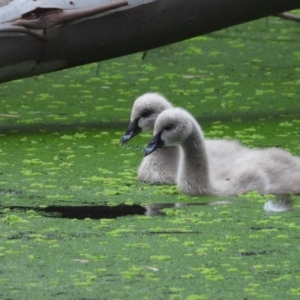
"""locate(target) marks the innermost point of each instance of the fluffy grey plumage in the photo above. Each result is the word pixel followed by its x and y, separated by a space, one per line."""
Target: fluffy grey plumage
pixel 161 167
pixel 223 167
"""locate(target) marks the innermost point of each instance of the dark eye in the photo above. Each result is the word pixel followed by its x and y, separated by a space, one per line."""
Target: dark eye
pixel 146 113
pixel 169 127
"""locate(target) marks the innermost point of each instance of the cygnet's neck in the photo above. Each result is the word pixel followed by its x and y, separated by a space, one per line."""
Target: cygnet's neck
pixel 193 173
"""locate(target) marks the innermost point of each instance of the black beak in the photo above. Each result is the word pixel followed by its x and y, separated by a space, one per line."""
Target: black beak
pixel 132 130
pixel 155 143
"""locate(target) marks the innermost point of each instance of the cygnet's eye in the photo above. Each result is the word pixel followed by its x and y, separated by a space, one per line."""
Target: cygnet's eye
pixel 169 127
pixel 146 113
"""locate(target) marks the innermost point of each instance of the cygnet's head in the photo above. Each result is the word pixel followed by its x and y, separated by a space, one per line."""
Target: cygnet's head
pixel 172 127
pixel 144 112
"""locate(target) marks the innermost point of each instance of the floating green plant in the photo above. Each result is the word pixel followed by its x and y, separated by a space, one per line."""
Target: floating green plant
pixel 63 151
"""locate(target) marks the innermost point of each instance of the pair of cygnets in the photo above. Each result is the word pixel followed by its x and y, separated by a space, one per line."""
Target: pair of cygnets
pixel 179 154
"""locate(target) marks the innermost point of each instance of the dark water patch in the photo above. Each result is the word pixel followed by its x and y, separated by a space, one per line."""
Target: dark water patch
pixel 92 212
pixel 27 235
pixel 92 298
pixel 83 212
pixel 10 192
pixel 98 212
pixel 169 232
pixel 282 272
pixel 262 228
pixel 60 127
pixel 251 253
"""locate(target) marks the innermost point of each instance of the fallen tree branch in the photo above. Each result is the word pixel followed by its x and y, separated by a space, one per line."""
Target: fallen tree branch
pixel 52 35
pixel 289 16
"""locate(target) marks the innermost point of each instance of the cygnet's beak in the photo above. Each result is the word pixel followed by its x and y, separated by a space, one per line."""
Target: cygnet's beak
pixel 132 130
pixel 155 143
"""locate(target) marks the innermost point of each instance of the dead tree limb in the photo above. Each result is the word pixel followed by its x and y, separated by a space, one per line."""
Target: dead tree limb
pixel 47 35
pixel 289 16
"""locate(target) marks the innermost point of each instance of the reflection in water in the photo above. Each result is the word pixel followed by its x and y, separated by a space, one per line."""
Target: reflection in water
pixel 155 209
pixel 281 203
pixel 103 211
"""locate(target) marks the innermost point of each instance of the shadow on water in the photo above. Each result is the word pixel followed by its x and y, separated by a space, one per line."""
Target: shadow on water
pixel 10 128
pixel 103 211
pixel 205 118
pixel 281 204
